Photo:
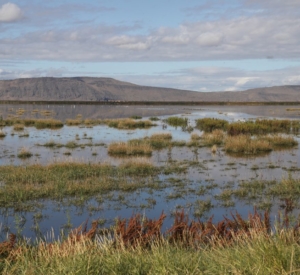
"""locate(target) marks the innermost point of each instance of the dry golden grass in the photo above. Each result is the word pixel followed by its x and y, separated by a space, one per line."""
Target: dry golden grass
pixel 161 136
pixel 131 148
pixel 19 127
pixel 280 140
pixel 128 123
pixel 215 137
pixel 246 145
pixel 195 136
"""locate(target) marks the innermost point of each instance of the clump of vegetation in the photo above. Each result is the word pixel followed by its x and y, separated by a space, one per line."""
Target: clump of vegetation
pixel 48 123
pixel 130 148
pixel 138 166
pixel 281 141
pixel 154 118
pixel 210 124
pixel 2 134
pixel 18 127
pixel 195 140
pixel 38 123
pixel 24 153
pixel 244 144
pixel 177 121
pixel 128 123
pixel 160 140
pixel 92 122
pixel 215 137
pixel 71 145
pixel 52 144
pixel 263 126
pixel 136 117
pixel 74 122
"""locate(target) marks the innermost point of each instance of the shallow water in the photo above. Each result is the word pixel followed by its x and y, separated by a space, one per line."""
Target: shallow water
pixel 206 177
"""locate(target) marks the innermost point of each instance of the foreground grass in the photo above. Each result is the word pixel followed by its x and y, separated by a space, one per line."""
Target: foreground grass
pixel 254 252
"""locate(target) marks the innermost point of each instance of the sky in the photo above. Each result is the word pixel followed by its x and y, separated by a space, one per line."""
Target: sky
pixel 200 45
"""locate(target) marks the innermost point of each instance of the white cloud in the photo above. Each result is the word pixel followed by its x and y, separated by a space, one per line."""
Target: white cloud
pixel 209 39
pixel 10 12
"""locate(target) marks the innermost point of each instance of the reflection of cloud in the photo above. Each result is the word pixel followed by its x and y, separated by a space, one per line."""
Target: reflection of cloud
pixel 10 12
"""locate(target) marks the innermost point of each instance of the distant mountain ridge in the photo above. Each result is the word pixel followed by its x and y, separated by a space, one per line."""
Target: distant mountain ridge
pixel 109 89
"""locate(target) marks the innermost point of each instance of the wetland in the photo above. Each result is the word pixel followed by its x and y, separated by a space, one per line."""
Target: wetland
pixel 63 164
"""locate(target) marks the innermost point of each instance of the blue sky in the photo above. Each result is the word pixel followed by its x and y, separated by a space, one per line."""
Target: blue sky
pixel 198 45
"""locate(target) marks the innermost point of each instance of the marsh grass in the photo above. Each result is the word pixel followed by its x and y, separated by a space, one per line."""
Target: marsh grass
pixel 154 118
pixel 136 117
pixel 263 126
pixel 177 121
pixel 38 123
pixel 281 141
pixel 210 124
pixel 92 122
pixel 130 148
pixel 74 122
pixel 24 153
pixel 128 123
pixel 71 145
pixel 52 144
pixel 246 145
pixel 216 137
pixel 2 134
pixel 18 127
pixel 64 180
pixel 160 140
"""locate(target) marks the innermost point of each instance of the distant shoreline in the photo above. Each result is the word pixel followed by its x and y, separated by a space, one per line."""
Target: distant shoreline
pixel 147 102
